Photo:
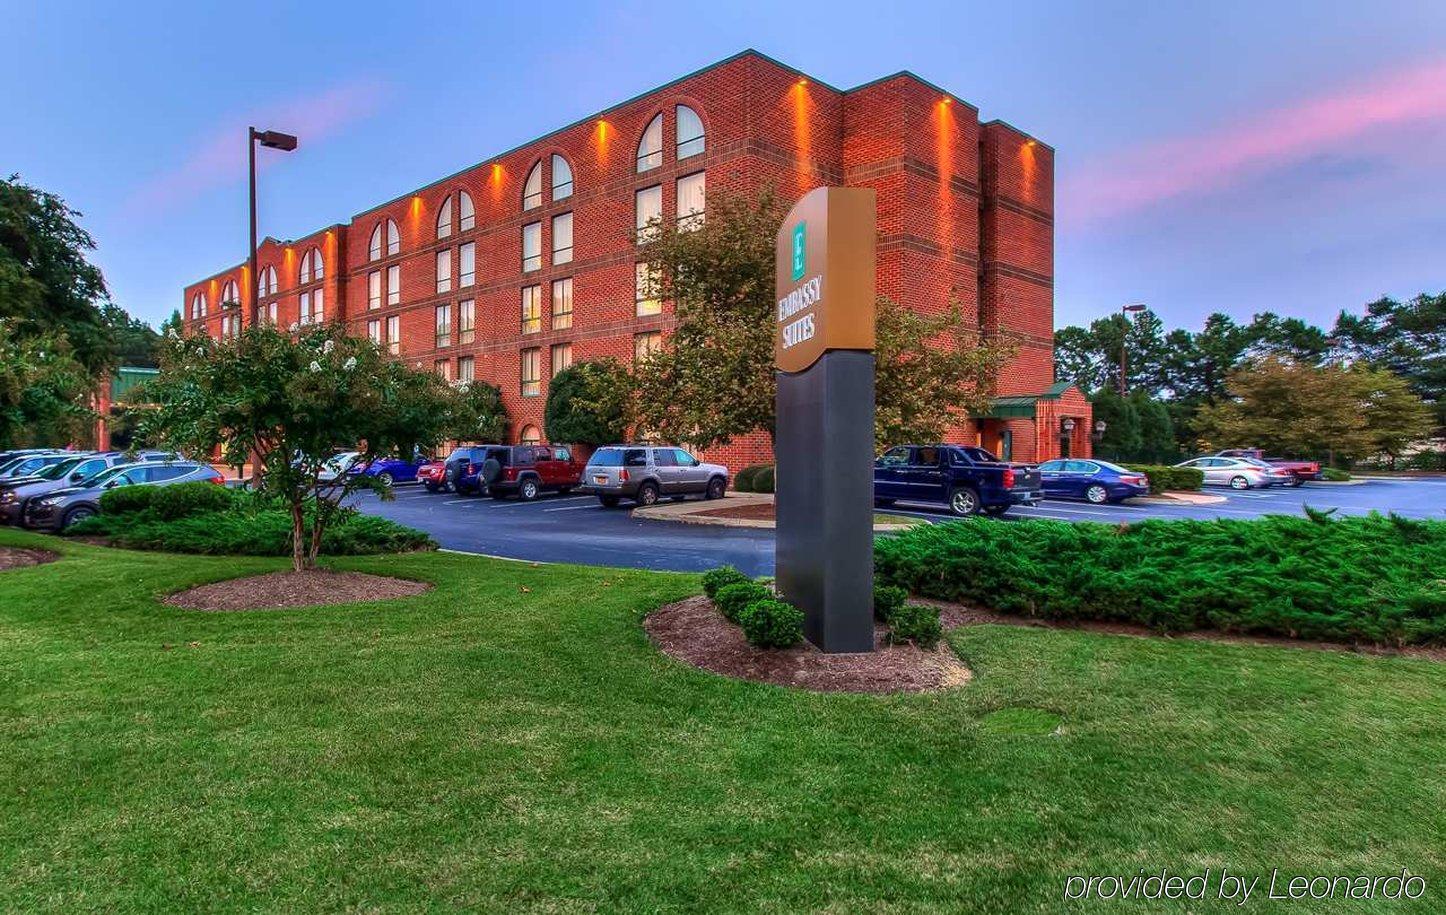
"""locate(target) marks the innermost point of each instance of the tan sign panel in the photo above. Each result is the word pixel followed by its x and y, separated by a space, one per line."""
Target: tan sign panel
pixel 825 278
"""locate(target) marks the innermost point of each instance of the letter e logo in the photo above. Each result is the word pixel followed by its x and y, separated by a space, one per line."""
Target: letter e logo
pixel 800 248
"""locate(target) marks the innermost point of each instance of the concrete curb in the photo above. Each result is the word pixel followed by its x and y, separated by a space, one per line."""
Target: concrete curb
pixel 1182 498
pixel 690 512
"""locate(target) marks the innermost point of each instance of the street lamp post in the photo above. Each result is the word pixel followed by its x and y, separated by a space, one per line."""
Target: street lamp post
pixel 271 139
pixel 1124 338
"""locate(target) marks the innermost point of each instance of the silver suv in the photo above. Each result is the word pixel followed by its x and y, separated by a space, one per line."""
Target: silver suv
pixel 646 473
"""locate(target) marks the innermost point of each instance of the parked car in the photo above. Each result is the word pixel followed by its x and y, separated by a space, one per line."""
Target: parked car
pixel 64 507
pixel 73 472
pixel 433 475
pixel 1094 481
pixel 1237 473
pixel 1300 471
pixel 965 478
pixel 646 473
pixel 26 465
pixel 390 470
pixel 336 465
pixel 503 470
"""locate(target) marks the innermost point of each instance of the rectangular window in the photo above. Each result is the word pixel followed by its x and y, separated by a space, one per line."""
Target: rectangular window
pixel 466 321
pixel 646 292
pixel 467 266
pixel 374 289
pixel 562 304
pixel 394 335
pixel 692 192
pixel 466 368
pixel 318 315
pixel 562 238
pixel 644 345
pixel 271 314
pixel 305 310
pixel 561 357
pixel 531 309
pixel 444 325
pixel 374 331
pixel 444 270
pixel 443 367
pixel 649 204
pixel 394 284
pixel 531 371
pixel 531 247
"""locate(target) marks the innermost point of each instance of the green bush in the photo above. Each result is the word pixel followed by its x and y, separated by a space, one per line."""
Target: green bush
pixel 127 499
pixel 717 578
pixel 186 499
pixel 743 481
pixel 887 599
pixel 1332 475
pixel 1176 479
pixel 733 598
pixel 261 532
pixel 770 623
pixel 763 479
pixel 1368 579
pixel 916 623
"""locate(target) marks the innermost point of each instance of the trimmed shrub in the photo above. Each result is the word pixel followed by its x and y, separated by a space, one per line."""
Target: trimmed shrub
pixel 1177 479
pixel 733 598
pixel 264 532
pixel 763 479
pixel 186 499
pixel 916 623
pixel 1332 475
pixel 743 480
pixel 127 499
pixel 717 578
pixel 770 623
pixel 1368 579
pixel 887 599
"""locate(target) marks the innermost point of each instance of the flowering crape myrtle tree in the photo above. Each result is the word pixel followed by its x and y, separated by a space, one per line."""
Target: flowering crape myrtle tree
pixel 286 402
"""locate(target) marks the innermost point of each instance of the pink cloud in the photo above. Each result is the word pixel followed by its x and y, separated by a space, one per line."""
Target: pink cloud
pixel 220 157
pixel 1173 167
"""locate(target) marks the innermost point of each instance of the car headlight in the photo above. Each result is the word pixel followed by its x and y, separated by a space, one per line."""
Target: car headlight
pixel 51 500
pixel 8 496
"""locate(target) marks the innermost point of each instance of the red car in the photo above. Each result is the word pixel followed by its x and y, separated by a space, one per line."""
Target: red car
pixel 433 475
pixel 1300 471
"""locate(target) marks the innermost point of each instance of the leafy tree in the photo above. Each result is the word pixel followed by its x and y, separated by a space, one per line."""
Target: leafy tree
pixel 478 414
pixel 286 403
pixel 1090 357
pixel 930 372
pixel 135 342
pixel 43 390
pixel 587 404
pixel 173 324
pixel 1157 430
pixel 1406 338
pixel 1121 439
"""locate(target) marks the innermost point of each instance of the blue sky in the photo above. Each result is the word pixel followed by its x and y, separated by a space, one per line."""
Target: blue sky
pixel 1211 156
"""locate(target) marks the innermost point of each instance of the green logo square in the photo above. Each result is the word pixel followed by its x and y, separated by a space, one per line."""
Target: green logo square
pixel 800 249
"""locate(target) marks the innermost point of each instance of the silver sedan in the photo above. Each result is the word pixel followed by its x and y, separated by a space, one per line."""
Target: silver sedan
pixel 1237 473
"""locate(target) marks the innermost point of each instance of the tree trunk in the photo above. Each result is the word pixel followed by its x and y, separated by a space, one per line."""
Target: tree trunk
pixel 317 525
pixel 298 538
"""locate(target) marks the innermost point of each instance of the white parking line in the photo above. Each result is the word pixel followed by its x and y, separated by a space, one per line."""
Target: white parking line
pixel 573 508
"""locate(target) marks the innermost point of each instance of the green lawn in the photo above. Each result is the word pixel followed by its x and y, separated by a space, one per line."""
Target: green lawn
pixel 511 742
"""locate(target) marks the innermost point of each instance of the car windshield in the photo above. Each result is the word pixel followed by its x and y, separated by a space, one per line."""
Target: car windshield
pixel 105 476
pixel 56 471
pixel 1115 467
pixel 979 455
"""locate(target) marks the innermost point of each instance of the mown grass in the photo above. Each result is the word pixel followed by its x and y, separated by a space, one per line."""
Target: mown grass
pixel 510 742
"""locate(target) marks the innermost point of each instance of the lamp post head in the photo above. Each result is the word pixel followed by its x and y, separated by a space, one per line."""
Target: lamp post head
pixel 1136 307
pixel 275 139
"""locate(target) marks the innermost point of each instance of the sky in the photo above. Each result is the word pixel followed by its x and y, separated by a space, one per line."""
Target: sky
pixel 1221 156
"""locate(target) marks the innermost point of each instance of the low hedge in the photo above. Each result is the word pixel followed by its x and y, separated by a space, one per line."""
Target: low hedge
pixel 915 623
pixel 1368 579
pixel 716 579
pixel 770 623
pixel 1332 475
pixel 743 479
pixel 763 480
pixel 733 599
pixel 1177 479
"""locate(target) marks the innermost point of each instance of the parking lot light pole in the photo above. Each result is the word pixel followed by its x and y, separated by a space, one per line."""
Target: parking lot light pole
pixel 1124 339
pixel 271 139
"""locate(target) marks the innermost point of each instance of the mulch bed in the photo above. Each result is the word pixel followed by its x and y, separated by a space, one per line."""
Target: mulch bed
pixel 277 590
pixel 755 511
pixel 14 557
pixel 693 631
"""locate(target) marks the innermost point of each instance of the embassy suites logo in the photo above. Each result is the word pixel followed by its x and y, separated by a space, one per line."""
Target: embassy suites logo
pixel 805 296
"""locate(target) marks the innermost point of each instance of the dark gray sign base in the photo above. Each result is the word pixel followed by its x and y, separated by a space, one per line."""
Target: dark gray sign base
pixel 824 550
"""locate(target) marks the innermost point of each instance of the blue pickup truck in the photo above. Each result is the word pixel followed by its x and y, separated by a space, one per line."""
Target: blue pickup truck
pixel 967 479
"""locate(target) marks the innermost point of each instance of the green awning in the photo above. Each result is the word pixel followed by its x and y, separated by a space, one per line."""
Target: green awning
pixel 127 378
pixel 1022 406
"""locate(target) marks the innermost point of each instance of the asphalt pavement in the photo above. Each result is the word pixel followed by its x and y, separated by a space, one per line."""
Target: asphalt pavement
pixel 577 529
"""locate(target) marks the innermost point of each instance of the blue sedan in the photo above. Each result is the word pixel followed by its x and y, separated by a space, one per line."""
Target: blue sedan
pixel 389 470
pixel 1094 481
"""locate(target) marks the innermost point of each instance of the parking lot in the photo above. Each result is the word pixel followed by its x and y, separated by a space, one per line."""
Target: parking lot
pixel 577 529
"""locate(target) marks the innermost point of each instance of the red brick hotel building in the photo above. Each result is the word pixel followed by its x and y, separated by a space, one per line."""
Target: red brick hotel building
pixel 514 268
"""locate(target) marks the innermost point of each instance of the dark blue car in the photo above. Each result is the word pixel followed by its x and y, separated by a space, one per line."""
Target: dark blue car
pixel 1094 481
pixel 390 470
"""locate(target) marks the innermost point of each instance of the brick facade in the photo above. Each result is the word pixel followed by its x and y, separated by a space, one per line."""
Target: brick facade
pixel 965 214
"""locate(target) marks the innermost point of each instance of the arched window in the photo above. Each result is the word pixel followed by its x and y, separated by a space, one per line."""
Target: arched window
pixel 444 217
pixel 198 305
pixel 530 435
pixel 393 237
pixel 561 178
pixel 690 132
pixel 229 295
pixel 311 267
pixel 532 190
pixel 650 147
pixel 267 284
pixel 466 214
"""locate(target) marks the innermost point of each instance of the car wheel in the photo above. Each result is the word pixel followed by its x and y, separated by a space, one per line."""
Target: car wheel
pixel 1097 494
pixel 964 501
pixel 75 515
pixel 647 494
pixel 384 478
pixel 1295 481
pixel 1239 483
pixel 716 486
pixel 527 490
pixel 608 501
